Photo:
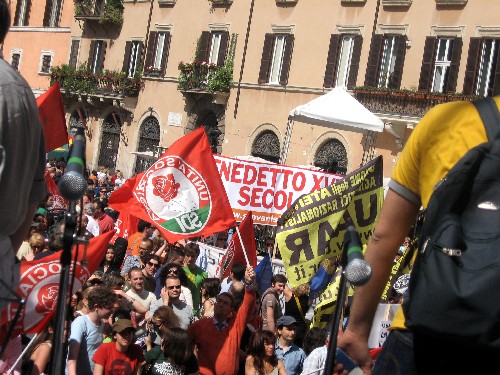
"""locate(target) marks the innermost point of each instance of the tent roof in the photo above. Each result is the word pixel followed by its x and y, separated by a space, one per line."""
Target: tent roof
pixel 338 109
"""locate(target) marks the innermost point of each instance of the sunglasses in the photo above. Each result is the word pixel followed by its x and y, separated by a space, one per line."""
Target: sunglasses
pixel 173 287
pixel 153 264
pixel 269 244
pixel 175 271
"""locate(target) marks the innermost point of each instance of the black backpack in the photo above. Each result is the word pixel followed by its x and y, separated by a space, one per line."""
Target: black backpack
pixel 454 289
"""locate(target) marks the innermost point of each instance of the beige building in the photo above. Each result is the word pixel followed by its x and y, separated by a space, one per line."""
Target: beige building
pixel 398 57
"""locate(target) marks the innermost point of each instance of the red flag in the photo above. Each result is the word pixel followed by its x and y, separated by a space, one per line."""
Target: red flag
pixel 59 202
pixel 234 252
pixel 125 225
pixel 182 193
pixel 51 111
pixel 39 286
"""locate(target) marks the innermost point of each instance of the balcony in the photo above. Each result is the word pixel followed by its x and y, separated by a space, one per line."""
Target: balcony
pixel 451 2
pixel 403 102
pixel 396 3
pixel 222 2
pixel 101 11
pixel 199 78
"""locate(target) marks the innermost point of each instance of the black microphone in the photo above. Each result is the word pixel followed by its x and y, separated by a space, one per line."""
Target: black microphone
pixel 357 271
pixel 72 184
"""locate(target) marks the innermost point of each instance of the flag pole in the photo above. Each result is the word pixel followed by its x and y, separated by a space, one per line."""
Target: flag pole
pixel 243 245
pixel 30 344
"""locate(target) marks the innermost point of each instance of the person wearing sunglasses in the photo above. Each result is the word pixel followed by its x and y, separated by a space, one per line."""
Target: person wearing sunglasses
pixel 173 269
pixel 151 264
pixel 170 296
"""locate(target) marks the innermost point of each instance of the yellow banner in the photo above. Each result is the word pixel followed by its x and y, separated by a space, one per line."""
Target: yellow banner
pixel 312 229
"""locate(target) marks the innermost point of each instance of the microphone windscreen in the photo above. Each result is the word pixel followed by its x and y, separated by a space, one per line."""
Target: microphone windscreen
pixel 358 272
pixel 72 186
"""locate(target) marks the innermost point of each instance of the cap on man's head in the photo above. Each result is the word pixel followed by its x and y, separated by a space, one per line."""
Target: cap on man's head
pixel 285 320
pixel 122 324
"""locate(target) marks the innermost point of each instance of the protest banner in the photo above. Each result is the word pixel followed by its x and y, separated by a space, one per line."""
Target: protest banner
pixel 267 189
pixel 312 229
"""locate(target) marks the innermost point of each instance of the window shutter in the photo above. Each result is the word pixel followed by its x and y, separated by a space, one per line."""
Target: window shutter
pixel 164 56
pixel 356 56
pixel 472 65
pixel 224 44
pixel 428 61
pixel 126 57
pixel 140 57
pixel 265 61
pixel 374 60
pixel 57 5
pixel 28 11
pixel 46 15
pixel 496 81
pixel 18 13
pixel 102 55
pixel 456 53
pixel 287 59
pixel 397 75
pixel 331 61
pixel 90 61
pixel 73 57
pixel 204 47
pixel 150 50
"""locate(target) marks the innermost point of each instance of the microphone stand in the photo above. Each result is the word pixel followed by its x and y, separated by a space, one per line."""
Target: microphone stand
pixel 57 359
pixel 339 307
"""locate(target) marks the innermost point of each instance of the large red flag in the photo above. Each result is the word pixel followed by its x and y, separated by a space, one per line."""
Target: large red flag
pixel 59 201
pixel 39 285
pixel 182 193
pixel 235 251
pixel 51 111
pixel 125 225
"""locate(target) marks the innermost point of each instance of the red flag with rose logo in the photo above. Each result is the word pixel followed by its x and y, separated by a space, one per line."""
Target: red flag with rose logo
pixel 39 286
pixel 181 193
pixel 235 250
pixel 59 201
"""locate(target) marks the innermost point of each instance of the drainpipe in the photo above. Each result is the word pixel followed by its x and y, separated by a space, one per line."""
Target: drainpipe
pixel 243 58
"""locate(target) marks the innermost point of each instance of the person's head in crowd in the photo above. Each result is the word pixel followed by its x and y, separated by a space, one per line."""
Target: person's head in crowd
pixel 164 319
pixel 113 318
pixel 237 272
pixel 158 242
pixel 278 283
pixel 314 338
pixel 145 228
pixel 87 198
pixel 177 346
pixel 48 201
pixel 302 290
pixel 176 255
pixel 286 327
pixel 37 242
pixel 237 289
pixel 56 240
pixel 102 300
pixel 114 280
pixel 262 348
pixel 4 19
pixel 145 247
pixel 89 209
pixel 136 279
pixel 210 287
pixel 120 246
pixel 82 307
pixel 269 245
pixel 173 269
pixel 100 206
pixel 109 257
pixel 151 264
pixel 41 219
pixel 173 286
pixel 192 252
pixel 221 240
pixel 123 333
pixel 224 306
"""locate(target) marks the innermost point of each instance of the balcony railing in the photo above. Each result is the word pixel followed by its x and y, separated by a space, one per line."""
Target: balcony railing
pixel 403 102
pixel 201 76
pixel 107 84
pixel 110 11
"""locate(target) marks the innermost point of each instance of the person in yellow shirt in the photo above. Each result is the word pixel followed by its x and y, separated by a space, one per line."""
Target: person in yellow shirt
pixel 441 138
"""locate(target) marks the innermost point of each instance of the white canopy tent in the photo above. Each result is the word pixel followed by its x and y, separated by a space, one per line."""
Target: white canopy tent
pixel 337 109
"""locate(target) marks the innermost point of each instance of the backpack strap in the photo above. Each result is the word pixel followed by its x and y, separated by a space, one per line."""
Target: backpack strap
pixel 490 115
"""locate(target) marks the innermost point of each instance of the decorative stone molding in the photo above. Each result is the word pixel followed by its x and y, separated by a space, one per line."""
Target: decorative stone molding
pixel 396 3
pixel 451 2
pixel 392 29
pixel 283 29
pixel 350 29
pixel 448 31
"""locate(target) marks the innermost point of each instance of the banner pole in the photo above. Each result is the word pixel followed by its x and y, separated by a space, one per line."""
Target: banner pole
pixel 243 245
pixel 30 344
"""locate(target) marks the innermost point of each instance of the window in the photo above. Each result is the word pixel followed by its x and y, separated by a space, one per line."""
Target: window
pixel 440 64
pixel 21 16
pixel 213 47
pixel 96 56
pixel 267 146
pixel 46 62
pixel 343 61
pixel 15 59
pixel 52 13
pixel 331 156
pixel 482 73
pixel 157 52
pixel 74 51
pixel 385 62
pixel 276 59
pixel 132 58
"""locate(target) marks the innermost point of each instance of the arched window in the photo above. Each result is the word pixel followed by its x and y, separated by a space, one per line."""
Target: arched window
pixel 75 121
pixel 208 119
pixel 110 141
pixel 331 156
pixel 267 146
pixel 149 139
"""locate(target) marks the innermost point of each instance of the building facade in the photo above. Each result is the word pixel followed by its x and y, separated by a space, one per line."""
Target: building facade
pixel 151 71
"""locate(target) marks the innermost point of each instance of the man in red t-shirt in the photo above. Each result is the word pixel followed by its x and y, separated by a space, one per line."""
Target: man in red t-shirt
pixel 119 356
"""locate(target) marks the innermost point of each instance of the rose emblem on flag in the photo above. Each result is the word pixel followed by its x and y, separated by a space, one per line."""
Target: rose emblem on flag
pixel 175 195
